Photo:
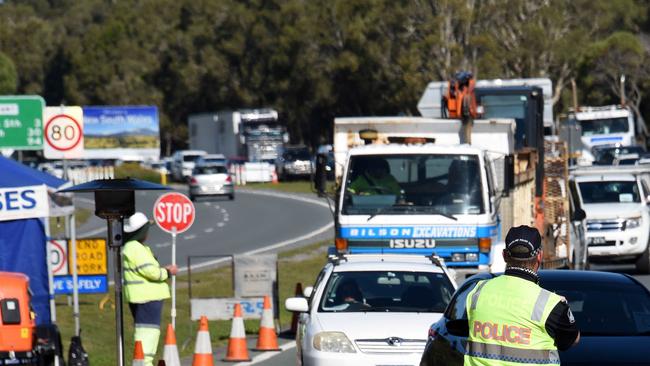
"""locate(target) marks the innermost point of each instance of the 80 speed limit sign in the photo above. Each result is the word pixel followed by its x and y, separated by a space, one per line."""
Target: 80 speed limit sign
pixel 63 132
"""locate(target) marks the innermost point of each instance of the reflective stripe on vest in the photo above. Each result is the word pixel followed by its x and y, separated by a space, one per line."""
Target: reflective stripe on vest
pixel 512 354
pixel 540 304
pixel 478 292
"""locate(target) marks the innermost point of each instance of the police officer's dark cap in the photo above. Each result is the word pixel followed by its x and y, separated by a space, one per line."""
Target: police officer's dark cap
pixel 523 242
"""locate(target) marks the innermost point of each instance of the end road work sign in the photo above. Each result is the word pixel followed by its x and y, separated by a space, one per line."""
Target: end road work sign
pixel 21 122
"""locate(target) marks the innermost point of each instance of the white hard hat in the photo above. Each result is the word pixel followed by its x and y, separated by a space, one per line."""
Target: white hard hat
pixel 135 222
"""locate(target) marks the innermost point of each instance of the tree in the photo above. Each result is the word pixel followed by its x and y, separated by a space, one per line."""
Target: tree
pixel 8 76
pixel 622 55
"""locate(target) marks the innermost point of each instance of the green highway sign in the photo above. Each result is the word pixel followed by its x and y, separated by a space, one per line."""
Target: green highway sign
pixel 21 122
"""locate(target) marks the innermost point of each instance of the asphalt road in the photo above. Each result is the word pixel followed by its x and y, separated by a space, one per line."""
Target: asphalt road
pixel 256 221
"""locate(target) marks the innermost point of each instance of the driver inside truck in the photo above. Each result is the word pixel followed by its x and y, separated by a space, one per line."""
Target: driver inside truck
pixel 375 178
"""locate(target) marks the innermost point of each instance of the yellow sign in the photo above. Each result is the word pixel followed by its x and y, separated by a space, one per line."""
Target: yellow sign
pixel 24 332
pixel 91 256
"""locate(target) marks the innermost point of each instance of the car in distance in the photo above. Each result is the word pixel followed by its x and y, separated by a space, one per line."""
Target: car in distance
pixel 370 309
pixel 294 162
pixel 211 180
pixel 183 163
pixel 612 311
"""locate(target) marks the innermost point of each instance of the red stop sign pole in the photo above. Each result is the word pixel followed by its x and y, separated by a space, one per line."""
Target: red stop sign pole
pixel 174 213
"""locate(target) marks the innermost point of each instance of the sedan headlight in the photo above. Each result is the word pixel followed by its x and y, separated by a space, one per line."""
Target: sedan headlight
pixel 633 223
pixel 333 342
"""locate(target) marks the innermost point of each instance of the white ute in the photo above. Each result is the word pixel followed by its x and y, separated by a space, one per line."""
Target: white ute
pixel 616 201
pixel 371 309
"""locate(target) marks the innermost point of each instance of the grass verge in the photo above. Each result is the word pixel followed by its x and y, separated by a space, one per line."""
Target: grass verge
pixel 98 325
pixel 298 186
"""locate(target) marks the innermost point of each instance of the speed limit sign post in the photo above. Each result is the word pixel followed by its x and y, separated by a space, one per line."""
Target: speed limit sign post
pixel 63 133
pixel 174 213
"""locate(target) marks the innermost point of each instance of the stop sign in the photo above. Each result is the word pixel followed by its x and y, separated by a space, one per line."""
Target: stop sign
pixel 173 211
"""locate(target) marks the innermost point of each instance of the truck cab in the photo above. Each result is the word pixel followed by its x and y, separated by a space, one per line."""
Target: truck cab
pixel 433 194
pixel 604 125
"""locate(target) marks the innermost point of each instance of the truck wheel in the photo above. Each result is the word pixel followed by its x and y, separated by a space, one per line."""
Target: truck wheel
pixel 231 197
pixel 643 263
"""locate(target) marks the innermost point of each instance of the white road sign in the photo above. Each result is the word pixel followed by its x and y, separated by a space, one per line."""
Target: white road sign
pixel 63 132
pixel 59 257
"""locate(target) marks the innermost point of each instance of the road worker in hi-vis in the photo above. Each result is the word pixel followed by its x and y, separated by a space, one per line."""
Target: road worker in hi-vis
pixel 145 285
pixel 511 319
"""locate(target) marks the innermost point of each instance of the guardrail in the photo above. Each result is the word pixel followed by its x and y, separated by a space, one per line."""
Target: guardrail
pixel 83 175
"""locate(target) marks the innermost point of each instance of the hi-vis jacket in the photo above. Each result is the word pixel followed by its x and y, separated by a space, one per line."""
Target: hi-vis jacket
pixel 507 317
pixel 144 278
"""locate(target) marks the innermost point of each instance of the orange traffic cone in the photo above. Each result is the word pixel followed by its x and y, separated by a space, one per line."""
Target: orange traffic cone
pixel 268 339
pixel 138 354
pixel 203 348
pixel 170 352
pixel 274 177
pixel 237 343
pixel 294 316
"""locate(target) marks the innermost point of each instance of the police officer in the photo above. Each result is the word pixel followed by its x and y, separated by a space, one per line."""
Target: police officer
pixel 512 320
pixel 144 284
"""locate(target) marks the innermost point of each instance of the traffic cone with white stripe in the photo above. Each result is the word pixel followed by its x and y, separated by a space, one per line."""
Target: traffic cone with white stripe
pixel 170 352
pixel 237 350
pixel 268 339
pixel 203 348
pixel 138 354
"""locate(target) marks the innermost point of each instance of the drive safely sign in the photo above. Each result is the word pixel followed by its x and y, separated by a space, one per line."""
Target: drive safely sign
pixel 174 212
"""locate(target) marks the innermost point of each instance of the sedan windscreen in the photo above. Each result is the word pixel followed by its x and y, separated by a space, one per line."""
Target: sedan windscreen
pixel 385 291
pixel 606 309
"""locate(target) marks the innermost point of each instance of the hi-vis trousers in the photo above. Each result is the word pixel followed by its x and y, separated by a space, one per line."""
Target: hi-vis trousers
pixel 147 327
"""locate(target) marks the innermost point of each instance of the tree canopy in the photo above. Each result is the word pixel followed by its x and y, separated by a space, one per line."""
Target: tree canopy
pixel 313 60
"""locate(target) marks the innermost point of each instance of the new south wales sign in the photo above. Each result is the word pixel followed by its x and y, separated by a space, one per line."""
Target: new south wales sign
pixel 21 122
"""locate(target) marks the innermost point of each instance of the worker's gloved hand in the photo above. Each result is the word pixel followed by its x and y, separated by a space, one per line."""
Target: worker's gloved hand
pixel 172 269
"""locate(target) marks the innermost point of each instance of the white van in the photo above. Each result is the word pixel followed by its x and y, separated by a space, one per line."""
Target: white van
pixel 183 163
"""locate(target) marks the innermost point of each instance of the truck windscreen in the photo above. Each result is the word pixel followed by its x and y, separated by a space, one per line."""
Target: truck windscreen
pixel 436 184
pixel 604 126
pixel 508 106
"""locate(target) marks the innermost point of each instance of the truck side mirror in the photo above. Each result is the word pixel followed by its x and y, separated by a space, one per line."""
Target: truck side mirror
pixel 508 174
pixel 320 176
pixel 579 215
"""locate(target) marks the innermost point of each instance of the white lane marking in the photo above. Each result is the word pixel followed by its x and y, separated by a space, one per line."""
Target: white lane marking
pixel 266 355
pixel 289 196
pixel 189 237
pixel 220 224
pixel 209 230
pixel 207 203
pixel 225 219
pixel 163 245
pixel 217 206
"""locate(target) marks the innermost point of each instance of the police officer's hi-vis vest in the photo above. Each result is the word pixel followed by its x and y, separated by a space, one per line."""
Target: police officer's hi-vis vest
pixel 144 279
pixel 506 318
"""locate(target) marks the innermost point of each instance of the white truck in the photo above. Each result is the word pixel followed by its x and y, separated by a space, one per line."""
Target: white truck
pixel 615 200
pixel 252 134
pixel 449 195
pixel 605 125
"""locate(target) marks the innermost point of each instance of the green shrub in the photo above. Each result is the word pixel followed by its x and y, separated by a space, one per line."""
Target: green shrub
pixel 134 170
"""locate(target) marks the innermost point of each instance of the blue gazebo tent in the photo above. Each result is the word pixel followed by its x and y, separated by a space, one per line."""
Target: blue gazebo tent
pixel 23 241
